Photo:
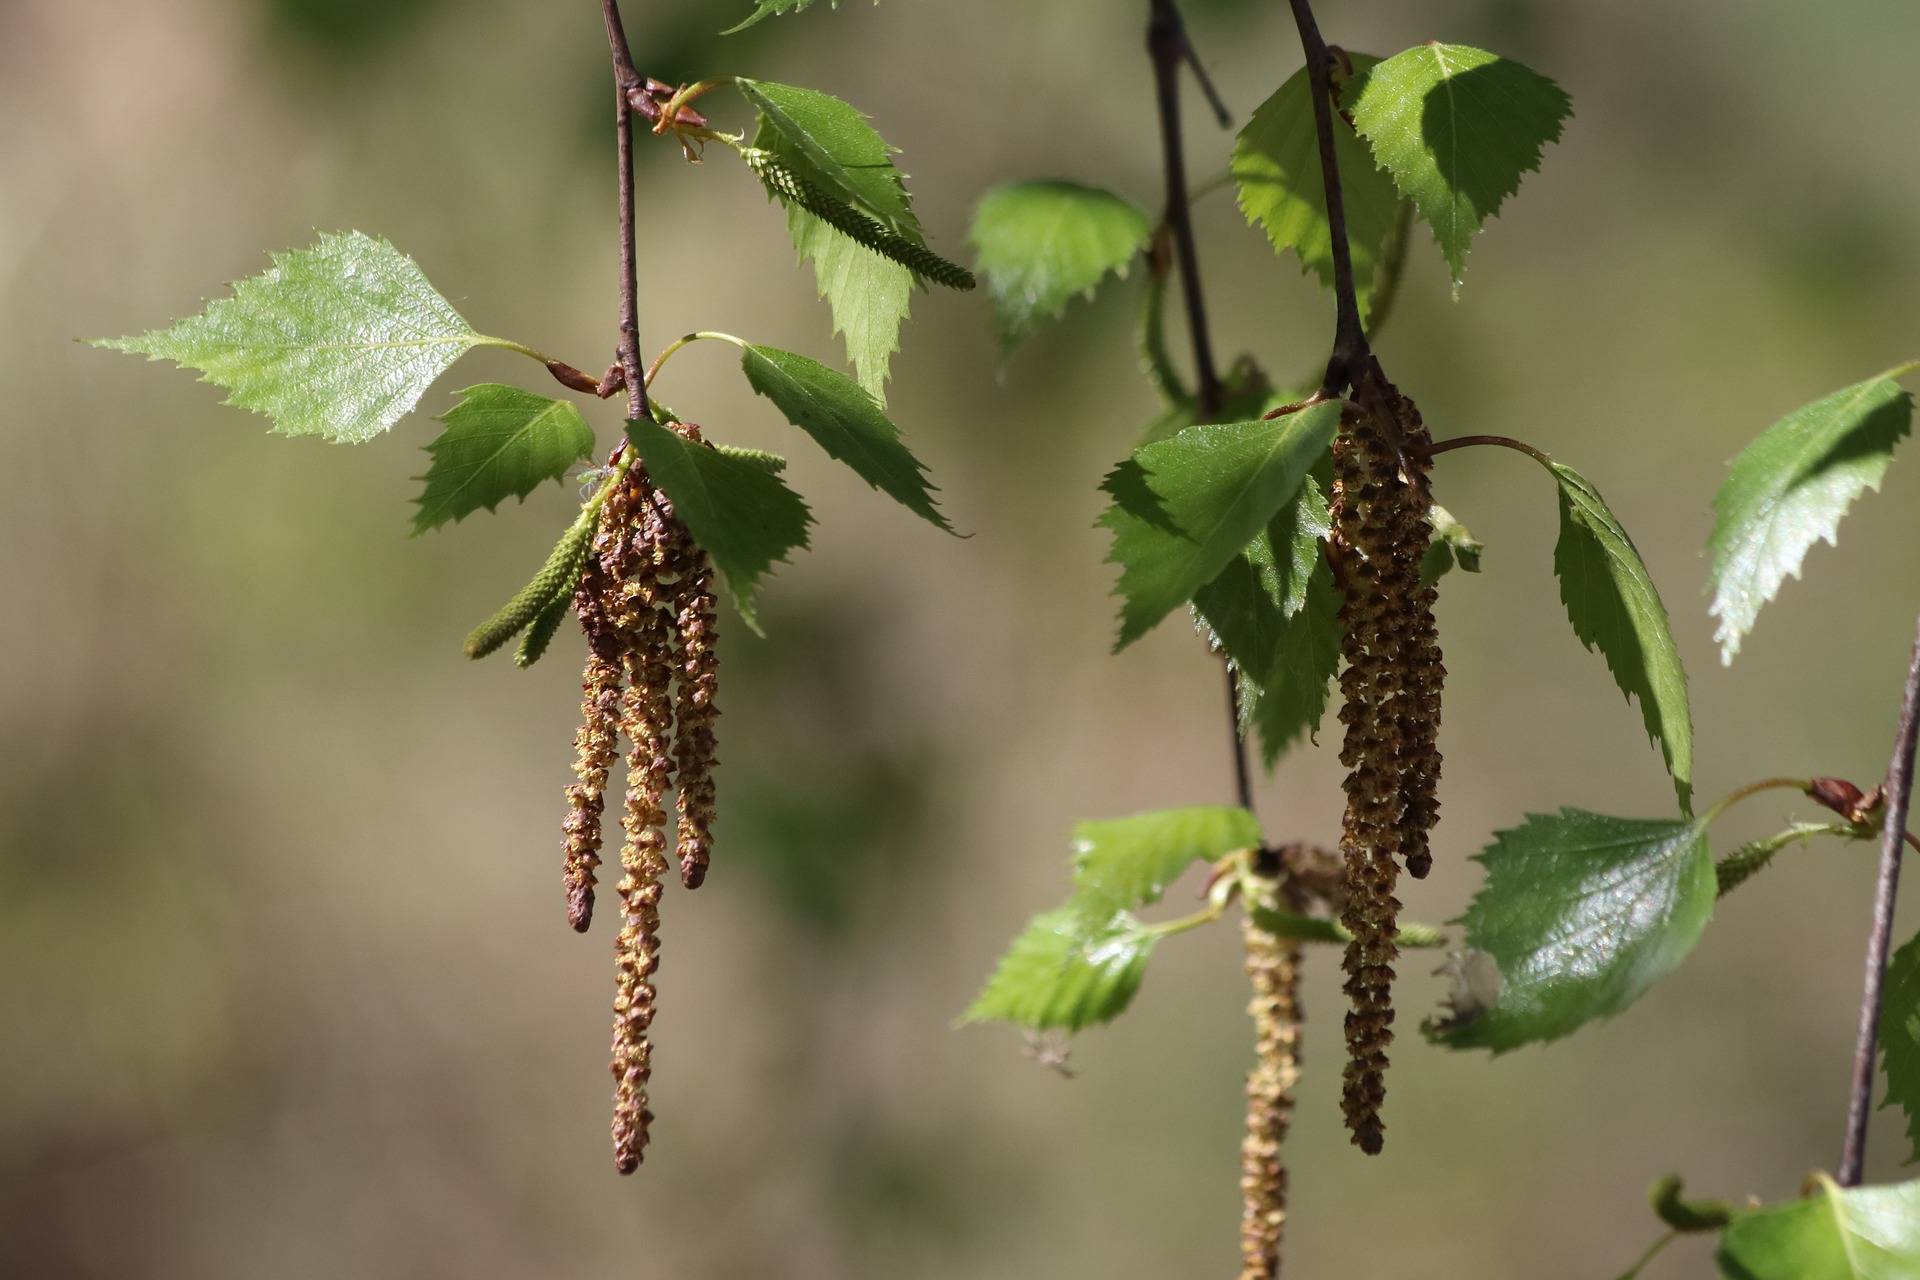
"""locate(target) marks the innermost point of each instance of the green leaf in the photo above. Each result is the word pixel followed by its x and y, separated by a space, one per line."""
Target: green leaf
pixel 1614 607
pixel 1867 1233
pixel 845 154
pixel 339 340
pixel 1292 698
pixel 869 295
pixel 500 441
pixel 1275 611
pixel 1790 487
pixel 845 421
pixel 1185 506
pixel 1125 863
pixel 1900 1039
pixel 739 512
pixel 1066 972
pixel 1456 127
pixel 767 8
pixel 1041 244
pixel 1453 546
pixel 1580 914
pixel 1276 162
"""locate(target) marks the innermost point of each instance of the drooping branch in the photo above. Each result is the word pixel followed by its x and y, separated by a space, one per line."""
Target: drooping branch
pixel 1349 337
pixel 1899 793
pixel 627 82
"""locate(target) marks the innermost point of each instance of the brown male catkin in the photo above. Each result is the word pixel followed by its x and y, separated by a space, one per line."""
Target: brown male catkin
pixel 1273 967
pixel 1391 709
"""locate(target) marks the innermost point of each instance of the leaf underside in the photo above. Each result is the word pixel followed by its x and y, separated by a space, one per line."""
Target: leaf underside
pixel 1859 1233
pixel 339 340
pixel 1039 245
pixel 1900 1039
pixel 1276 164
pixel 1789 489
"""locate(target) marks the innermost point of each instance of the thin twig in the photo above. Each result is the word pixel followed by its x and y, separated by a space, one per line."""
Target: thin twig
pixel 626 82
pixel 1899 791
pixel 1168 46
pixel 1350 348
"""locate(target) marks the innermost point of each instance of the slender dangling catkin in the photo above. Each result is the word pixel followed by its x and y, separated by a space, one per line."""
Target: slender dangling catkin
pixel 1273 966
pixel 1391 691
pixel 595 746
pixel 694 713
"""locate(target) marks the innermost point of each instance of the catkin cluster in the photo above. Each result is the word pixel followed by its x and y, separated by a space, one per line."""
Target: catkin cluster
pixel 1391 709
pixel 645 602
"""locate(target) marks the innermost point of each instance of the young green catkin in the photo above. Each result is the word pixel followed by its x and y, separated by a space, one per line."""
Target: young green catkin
pixel 790 187
pixel 1273 967
pixel 1391 709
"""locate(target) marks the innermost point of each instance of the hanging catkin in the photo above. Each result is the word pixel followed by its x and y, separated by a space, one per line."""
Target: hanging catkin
pixel 1273 966
pixel 1391 691
pixel 697 680
pixel 595 746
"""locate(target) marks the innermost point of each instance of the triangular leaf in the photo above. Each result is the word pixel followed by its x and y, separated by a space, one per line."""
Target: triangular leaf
pixel 846 155
pixel 1065 972
pixel 1790 487
pixel 500 441
pixel 739 512
pixel 1456 127
pixel 1900 1039
pixel 1185 506
pixel 1125 863
pixel 1041 244
pixel 339 340
pixel 1276 162
pixel 845 421
pixel 1614 607
pixel 1862 1233
pixel 1579 915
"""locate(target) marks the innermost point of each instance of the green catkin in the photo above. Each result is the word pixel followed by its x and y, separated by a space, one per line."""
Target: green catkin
pixel 791 188
pixel 533 645
pixel 1391 709
pixel 555 581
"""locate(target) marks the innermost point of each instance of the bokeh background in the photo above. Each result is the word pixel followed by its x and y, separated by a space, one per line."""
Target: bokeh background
pixel 284 985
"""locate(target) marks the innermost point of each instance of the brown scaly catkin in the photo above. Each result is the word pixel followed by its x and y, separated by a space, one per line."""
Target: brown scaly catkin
pixel 1391 691
pixel 694 713
pixel 1273 966
pixel 595 746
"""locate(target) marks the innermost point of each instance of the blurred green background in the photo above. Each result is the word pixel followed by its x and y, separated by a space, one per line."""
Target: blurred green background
pixel 285 988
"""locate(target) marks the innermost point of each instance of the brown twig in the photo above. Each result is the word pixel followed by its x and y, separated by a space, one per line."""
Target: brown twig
pixel 626 82
pixel 1350 349
pixel 1899 792
pixel 1168 46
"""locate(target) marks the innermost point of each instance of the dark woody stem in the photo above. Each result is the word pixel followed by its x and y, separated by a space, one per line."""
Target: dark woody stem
pixel 1899 792
pixel 1168 46
pixel 1350 348
pixel 626 82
